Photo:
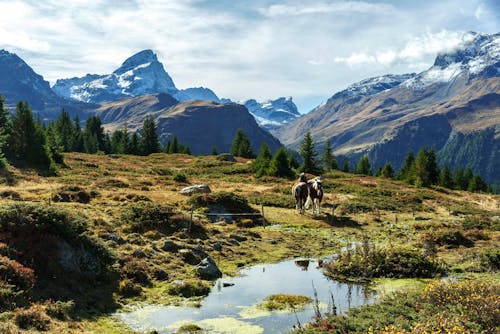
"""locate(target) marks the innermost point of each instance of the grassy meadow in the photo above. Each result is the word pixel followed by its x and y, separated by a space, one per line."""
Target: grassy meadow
pixel 122 219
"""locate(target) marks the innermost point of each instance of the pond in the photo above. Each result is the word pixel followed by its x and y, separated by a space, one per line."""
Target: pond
pixel 233 308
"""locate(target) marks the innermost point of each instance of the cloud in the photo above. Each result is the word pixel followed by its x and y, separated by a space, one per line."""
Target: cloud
pixel 342 7
pixel 414 51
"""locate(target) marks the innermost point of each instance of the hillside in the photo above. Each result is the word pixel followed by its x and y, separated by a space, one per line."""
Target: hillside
pixel 453 106
pixel 129 207
pixel 201 125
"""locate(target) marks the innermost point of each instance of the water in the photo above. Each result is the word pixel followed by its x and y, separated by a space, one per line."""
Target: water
pixel 233 309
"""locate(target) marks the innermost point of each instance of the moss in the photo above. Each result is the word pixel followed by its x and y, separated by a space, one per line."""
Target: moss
pixel 280 302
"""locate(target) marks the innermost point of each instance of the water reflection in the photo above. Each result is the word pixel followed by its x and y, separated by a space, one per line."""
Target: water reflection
pixel 236 298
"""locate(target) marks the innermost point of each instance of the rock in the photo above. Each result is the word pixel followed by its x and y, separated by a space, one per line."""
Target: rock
pixel 139 254
pixel 226 157
pixel 239 238
pixel 421 218
pixel 217 246
pixel 196 189
pixel 160 274
pixel 207 269
pixel 225 284
pixel 112 237
pixel 188 256
pixel 453 213
pixel 169 246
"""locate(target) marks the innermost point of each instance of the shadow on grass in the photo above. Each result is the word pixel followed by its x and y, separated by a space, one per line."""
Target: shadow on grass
pixel 338 221
pixel 7 177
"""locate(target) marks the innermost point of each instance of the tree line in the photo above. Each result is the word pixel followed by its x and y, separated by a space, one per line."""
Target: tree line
pixel 28 142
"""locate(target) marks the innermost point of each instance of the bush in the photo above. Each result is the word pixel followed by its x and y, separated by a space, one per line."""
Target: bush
pixel 189 288
pixel 136 270
pixel 9 296
pixel 363 262
pixel 281 301
pixel 15 273
pixel 59 309
pixel 180 177
pixel 128 288
pixel 451 239
pixel 490 259
pixel 233 203
pixel 34 317
pixel 72 194
pixel 144 216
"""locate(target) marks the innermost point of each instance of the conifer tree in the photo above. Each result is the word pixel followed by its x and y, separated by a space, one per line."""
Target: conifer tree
pixel 54 143
pixel 119 142
pixel 214 150
pixel 4 132
pixel 328 159
pixel 309 154
pixel 425 170
pixel 77 137
pixel 292 160
pixel 174 147
pixel 280 165
pixel 404 173
pixel 65 131
pixel 387 171
pixel 263 161
pixel 477 184
pixel 134 145
pixel 364 166
pixel 445 177
pixel 345 166
pixel 93 137
pixel 149 139
pixel 240 146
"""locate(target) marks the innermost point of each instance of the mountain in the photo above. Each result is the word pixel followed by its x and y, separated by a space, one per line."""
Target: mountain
pixel 19 82
pixel 197 93
pixel 454 106
pixel 272 114
pixel 199 124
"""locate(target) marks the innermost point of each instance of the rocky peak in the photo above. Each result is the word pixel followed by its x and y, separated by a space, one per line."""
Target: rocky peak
pixel 142 58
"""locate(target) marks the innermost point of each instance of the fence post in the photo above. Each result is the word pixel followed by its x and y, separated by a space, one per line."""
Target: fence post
pixel 263 218
pixel 191 220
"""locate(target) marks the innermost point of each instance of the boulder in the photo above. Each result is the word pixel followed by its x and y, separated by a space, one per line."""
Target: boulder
pixel 207 269
pixel 226 157
pixel 196 189
pixel 169 246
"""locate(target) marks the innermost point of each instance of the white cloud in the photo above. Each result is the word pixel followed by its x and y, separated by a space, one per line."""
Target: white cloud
pixel 326 8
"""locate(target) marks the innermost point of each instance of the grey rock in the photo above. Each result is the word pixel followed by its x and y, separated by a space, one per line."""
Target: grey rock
pixel 188 256
pixel 169 246
pixel 239 238
pixel 196 189
pixel 207 269
pixel 139 254
pixel 226 157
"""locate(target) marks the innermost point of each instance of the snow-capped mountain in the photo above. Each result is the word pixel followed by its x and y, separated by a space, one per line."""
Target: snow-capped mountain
pixel 476 53
pixel 197 93
pixel 454 107
pixel 138 75
pixel 272 114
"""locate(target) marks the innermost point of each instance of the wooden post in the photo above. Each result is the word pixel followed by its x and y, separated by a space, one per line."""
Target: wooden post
pixel 263 218
pixel 191 220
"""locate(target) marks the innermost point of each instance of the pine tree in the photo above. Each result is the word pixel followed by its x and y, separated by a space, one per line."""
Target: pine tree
pixel 425 170
pixel 364 166
pixel 240 146
pixel 345 166
pixel 5 131
pixel 405 172
pixel 119 142
pixel 174 148
pixel 477 184
pixel 309 154
pixel 263 161
pixel 27 144
pixel 54 143
pixel 445 178
pixel 328 159
pixel 214 151
pixel 280 165
pixel 65 131
pixel 134 145
pixel 77 136
pixel 292 160
pixel 149 141
pixel 461 183
pixel 387 171
pixel 93 137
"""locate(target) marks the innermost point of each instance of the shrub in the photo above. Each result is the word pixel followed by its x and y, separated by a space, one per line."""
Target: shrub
pixel 128 288
pixel 281 301
pixel 363 262
pixel 233 203
pixel 59 309
pixel 34 317
pixel 490 259
pixel 144 215
pixel 189 288
pixel 9 296
pixel 451 238
pixel 189 328
pixel 180 177
pixel 15 273
pixel 136 270
pixel 72 194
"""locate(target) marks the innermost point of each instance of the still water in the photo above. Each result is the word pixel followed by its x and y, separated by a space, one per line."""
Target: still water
pixel 233 309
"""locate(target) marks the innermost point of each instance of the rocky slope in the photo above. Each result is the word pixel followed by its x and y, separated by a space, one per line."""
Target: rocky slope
pixel 272 114
pixel 454 106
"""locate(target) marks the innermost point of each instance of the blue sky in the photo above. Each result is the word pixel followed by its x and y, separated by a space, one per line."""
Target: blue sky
pixel 244 49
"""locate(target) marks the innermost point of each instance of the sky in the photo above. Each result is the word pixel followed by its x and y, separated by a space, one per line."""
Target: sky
pixel 244 49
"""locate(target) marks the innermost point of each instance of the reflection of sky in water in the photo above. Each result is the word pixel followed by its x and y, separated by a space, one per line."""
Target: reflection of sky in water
pixel 249 289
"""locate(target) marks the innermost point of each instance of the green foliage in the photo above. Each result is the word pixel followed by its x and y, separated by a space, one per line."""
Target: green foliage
pixel 240 146
pixel 292 160
pixel 445 177
pixel 328 159
pixel 490 259
pixel 65 131
pixel 134 144
pixel 59 309
pixel 365 261
pixel 214 151
pixel 364 167
pixel 262 163
pixel 450 238
pixel 345 166
pixel 288 302
pixel 12 272
pixel 425 171
pixel 190 288
pixel 387 171
pixel 145 216
pixel 233 203
pixel 280 165
pixel 120 142
pixel 405 172
pixel 32 318
pixel 309 154
pixel 476 184
pixel 149 138
pixel 5 131
pixel 180 177
pixel 93 136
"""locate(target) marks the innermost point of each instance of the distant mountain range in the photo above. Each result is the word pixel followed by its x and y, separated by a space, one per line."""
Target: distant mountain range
pixel 454 107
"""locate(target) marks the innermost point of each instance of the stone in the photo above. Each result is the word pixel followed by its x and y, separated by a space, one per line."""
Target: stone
pixel 207 269
pixel 226 157
pixel 196 189
pixel 169 246
pixel 160 274
pixel 139 254
pixel 217 246
pixel 188 256
pixel 239 238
